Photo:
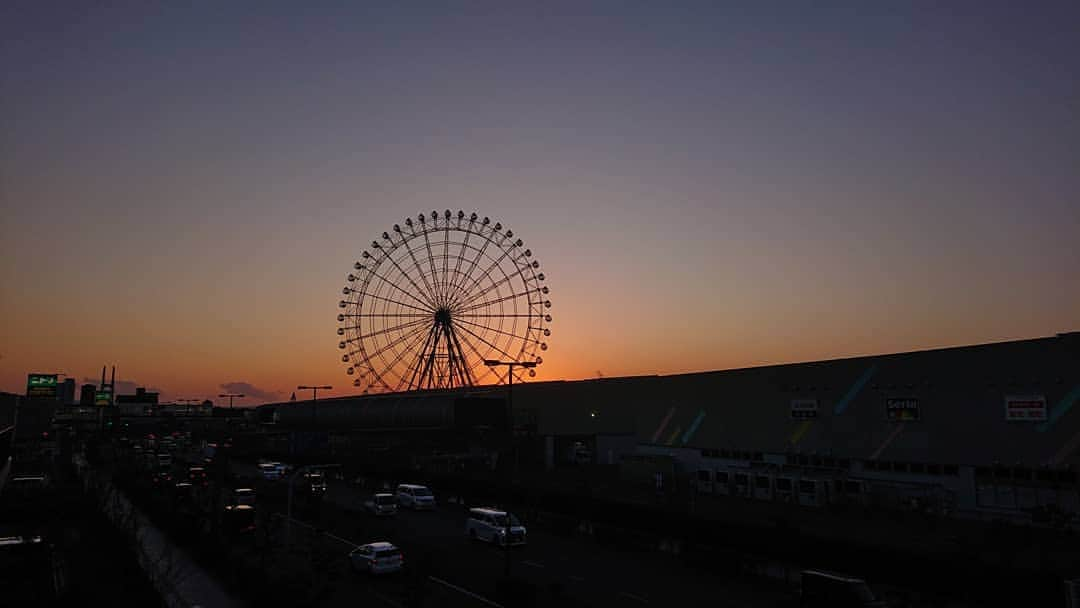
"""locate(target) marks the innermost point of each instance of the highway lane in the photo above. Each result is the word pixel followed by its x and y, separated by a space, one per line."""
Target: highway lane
pixel 589 574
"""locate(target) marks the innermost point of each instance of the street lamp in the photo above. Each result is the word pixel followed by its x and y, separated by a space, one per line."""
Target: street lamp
pixel 230 396
pixel 314 396
pixel 314 390
pixel 510 420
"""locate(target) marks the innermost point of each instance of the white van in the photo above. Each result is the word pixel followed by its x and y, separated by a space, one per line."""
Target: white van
pixel 489 524
pixel 415 496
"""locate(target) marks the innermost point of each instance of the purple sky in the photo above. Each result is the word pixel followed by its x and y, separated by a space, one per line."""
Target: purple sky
pixel 185 187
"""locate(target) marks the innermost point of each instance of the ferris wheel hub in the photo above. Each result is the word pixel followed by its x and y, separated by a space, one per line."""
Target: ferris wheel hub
pixel 442 316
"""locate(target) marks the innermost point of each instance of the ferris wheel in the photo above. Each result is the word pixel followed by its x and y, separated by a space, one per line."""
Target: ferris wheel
pixel 431 300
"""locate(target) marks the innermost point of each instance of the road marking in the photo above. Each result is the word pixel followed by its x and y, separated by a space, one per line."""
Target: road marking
pixel 533 564
pixel 386 599
pixel 324 532
pixel 475 596
pixel 633 597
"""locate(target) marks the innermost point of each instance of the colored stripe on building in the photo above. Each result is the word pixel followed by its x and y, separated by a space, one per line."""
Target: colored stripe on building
pixel 663 425
pixel 854 390
pixel 693 427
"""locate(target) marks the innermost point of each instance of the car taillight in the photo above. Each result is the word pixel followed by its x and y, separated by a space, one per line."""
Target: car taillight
pixel 401 556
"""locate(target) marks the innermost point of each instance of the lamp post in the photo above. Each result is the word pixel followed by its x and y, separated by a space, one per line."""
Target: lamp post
pixel 510 420
pixel 231 396
pixel 314 390
pixel 314 396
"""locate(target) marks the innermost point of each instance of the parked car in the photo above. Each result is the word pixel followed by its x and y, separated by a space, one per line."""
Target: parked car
pixel 377 558
pixel 415 496
pixel 240 518
pixel 381 504
pixel 244 496
pixel 197 475
pixel 162 479
pixel 822 589
pixel 487 524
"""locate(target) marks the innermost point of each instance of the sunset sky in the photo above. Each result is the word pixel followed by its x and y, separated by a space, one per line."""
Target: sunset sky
pixel 184 188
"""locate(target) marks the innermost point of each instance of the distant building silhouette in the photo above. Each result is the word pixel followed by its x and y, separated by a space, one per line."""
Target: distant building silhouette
pixel 86 395
pixel 141 396
pixel 65 391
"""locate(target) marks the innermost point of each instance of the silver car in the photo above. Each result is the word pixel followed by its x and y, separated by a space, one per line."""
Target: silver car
pixel 415 496
pixel 377 558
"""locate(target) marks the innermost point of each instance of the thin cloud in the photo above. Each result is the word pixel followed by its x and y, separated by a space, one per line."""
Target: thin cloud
pixel 250 390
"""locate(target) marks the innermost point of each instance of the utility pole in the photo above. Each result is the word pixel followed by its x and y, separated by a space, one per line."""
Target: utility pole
pixel 510 421
pixel 231 396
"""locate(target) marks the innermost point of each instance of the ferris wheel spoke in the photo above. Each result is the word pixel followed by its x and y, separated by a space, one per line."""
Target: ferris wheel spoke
pixel 393 315
pixel 411 338
pixel 486 273
pixel 485 341
pixel 409 278
pixel 493 283
pixel 494 316
pixel 434 273
pixel 507 278
pixel 414 367
pixel 505 298
pixel 398 302
pixel 501 331
pixel 460 258
pixel 386 330
pixel 446 257
pixel 398 287
pixel 479 356
pixel 464 371
pixel 405 336
pixel 475 260
pixel 430 292
pixel 400 359
pixel 505 252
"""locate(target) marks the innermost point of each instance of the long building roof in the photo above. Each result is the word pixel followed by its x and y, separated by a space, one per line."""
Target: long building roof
pixel 960 396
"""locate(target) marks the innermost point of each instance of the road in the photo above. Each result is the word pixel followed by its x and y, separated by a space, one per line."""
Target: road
pixel 565 570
